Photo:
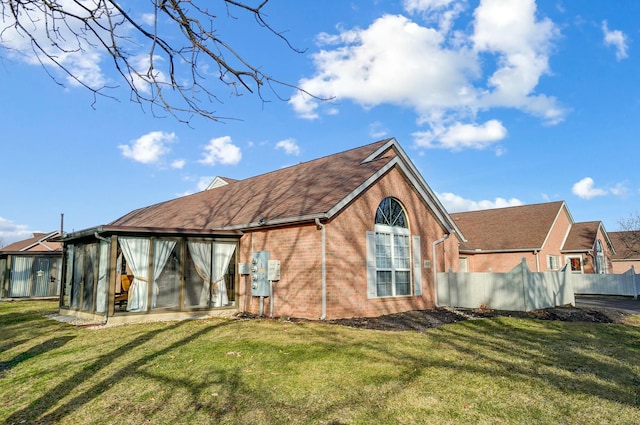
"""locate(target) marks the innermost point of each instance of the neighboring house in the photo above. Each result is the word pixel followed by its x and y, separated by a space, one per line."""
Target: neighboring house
pixel 588 248
pixel 31 268
pixel 358 233
pixel 627 247
pixel 545 235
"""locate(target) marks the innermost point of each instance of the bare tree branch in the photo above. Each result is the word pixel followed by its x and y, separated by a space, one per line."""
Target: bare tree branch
pixel 168 72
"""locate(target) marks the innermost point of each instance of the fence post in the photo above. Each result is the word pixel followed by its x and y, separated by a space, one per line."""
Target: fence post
pixel 523 266
pixel 636 284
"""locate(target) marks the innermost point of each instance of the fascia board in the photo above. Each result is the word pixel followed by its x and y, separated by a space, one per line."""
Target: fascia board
pixel 40 242
pixel 276 222
pixel 555 221
pixel 427 194
pixel 606 235
pixel 497 251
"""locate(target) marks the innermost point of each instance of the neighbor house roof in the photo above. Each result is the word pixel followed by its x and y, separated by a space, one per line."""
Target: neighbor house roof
pixel 39 242
pixel 315 189
pixel 626 244
pixel 520 228
pixel 582 237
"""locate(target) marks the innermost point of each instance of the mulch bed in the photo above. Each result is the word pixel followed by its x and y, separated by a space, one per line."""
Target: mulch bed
pixel 420 320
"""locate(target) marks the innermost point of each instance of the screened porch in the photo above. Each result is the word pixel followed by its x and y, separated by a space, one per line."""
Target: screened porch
pixel 116 272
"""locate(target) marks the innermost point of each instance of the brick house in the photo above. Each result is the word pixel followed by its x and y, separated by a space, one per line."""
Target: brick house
pixel 31 268
pixel 358 233
pixel 627 245
pixel 545 235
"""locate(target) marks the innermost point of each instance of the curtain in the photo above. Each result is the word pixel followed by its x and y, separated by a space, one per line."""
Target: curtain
pixel 162 249
pixel 136 252
pixel 103 268
pixel 222 253
pixel 201 256
pixel 20 276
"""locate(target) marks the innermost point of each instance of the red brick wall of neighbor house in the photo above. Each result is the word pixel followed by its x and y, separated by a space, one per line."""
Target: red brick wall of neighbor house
pixel 623 266
pixel 298 293
pixel 502 262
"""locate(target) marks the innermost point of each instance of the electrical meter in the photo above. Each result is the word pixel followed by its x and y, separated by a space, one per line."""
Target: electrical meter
pixel 259 274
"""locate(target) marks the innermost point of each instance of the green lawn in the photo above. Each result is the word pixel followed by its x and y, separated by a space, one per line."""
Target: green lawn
pixel 501 370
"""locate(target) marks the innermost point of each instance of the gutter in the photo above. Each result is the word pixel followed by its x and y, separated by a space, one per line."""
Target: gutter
pixel 435 268
pixel 324 269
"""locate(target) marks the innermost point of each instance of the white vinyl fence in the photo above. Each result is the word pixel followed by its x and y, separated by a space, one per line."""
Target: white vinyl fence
pixel 626 284
pixel 523 290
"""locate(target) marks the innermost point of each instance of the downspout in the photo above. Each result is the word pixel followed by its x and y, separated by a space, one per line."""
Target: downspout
pixel 536 252
pixel 435 268
pixel 324 269
pixel 102 238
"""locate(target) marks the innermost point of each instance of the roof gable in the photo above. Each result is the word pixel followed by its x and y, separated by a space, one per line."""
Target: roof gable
pixel 318 188
pixel 520 228
pixel 39 242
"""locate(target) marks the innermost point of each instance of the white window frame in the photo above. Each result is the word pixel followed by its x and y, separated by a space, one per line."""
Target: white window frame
pixel 553 262
pixel 568 259
pixel 397 265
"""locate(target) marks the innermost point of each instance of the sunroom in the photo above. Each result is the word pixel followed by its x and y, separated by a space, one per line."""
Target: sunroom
pixel 121 274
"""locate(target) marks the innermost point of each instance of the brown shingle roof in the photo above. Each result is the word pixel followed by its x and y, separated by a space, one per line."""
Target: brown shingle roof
pixel 523 227
pixel 305 190
pixel 39 242
pixel 582 236
pixel 626 244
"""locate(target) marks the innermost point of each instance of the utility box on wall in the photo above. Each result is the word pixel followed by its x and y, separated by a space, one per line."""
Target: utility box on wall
pixel 259 274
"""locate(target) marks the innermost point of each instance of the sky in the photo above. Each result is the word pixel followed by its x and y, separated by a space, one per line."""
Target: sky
pixel 497 102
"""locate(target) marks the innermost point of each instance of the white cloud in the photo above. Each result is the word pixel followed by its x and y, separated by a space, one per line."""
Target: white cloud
pixel 445 77
pixel 11 232
pixel 79 55
pixel 150 148
pixel 617 39
pixel 460 136
pixel 443 12
pixel 377 130
pixel 221 151
pixel 178 164
pixel 289 147
pixel 145 72
pixel 456 203
pixel 585 189
pixel 522 45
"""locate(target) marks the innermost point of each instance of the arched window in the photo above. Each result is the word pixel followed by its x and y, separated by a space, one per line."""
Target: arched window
pixel 600 269
pixel 392 250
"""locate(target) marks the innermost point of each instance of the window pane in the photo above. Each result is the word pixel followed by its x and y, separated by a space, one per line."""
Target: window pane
pixel 401 252
pixel 41 277
pixel 383 250
pixel 402 283
pixel 197 275
pixel 167 283
pixel 383 283
pixel 78 265
pixel 89 276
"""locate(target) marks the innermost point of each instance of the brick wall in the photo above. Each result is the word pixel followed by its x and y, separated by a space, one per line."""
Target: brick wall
pixel 298 293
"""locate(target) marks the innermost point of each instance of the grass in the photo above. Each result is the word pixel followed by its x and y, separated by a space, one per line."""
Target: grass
pixel 501 371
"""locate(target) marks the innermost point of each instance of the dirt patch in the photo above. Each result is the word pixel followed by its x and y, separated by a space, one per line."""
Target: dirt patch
pixel 420 320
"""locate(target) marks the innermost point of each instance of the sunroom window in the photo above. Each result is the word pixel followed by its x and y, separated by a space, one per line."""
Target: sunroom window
pixel 389 253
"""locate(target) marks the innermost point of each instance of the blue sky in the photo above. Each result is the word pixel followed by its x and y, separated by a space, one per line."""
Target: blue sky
pixel 497 102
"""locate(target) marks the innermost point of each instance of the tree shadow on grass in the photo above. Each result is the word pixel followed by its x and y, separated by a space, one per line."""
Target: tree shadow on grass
pixel 35 411
pixel 602 364
pixel 43 347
